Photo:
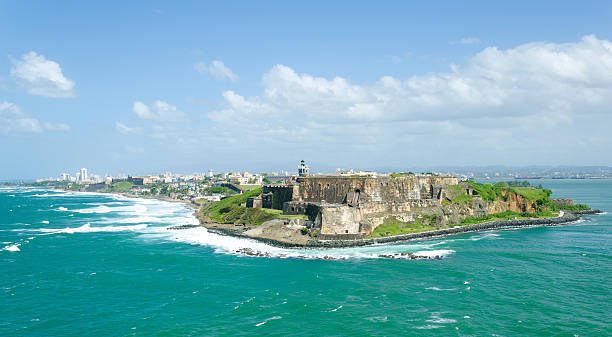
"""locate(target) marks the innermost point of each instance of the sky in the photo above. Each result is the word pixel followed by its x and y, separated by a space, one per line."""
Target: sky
pixel 146 87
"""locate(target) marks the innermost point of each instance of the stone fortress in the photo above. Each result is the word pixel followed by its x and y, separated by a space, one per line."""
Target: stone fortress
pixel 353 206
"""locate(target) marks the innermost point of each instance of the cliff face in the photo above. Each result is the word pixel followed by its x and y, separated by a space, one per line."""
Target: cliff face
pixel 514 202
pixel 443 213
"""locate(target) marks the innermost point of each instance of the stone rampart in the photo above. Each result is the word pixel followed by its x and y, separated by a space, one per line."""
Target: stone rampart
pixel 340 219
pixel 274 196
pixel 336 189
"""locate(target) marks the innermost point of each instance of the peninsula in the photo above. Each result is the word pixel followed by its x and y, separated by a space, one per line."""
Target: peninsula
pixel 339 210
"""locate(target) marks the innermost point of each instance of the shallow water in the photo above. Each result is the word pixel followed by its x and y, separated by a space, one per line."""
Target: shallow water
pixel 99 264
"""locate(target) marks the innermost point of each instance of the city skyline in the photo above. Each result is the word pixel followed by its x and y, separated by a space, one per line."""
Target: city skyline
pixel 260 87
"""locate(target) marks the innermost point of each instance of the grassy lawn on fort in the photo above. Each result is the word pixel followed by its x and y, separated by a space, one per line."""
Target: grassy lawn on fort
pixel 249 187
pixel 392 226
pixel 121 187
pixel 232 210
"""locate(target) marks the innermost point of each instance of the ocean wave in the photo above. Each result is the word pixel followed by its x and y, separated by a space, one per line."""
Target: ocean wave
pixel 267 320
pixel 86 228
pixel 429 327
pixel 102 209
pixel 46 195
pixel 98 210
pixel 334 310
pixel 12 248
pixel 440 289
pixel 435 253
pixel 145 216
pixel 243 246
pixel 484 236
pixel 440 320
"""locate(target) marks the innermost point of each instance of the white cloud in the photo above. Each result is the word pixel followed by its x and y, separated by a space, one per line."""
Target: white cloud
pixel 467 40
pixel 42 77
pixel 160 111
pixel 217 69
pixel 527 89
pixel 531 79
pixel 13 120
pixel 124 129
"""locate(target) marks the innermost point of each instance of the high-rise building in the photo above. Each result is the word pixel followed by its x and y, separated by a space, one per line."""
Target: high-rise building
pixel 210 173
pixel 83 174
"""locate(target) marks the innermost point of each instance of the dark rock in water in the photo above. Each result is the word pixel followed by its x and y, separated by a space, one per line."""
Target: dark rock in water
pixel 179 227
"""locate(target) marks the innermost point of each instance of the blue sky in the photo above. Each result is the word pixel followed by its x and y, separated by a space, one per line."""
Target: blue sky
pixel 144 87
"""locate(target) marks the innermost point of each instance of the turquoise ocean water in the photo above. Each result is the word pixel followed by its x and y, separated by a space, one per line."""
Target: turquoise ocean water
pixel 75 264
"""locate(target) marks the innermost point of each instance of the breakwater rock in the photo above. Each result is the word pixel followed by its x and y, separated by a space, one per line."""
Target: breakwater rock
pixel 567 217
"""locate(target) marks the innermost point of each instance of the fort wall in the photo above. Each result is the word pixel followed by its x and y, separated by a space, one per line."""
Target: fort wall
pixel 334 189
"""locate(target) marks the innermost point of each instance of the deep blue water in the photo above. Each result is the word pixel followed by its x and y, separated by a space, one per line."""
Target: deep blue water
pixel 76 264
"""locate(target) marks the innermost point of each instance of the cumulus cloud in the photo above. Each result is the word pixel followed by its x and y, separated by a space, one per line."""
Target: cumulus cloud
pixel 217 69
pixel 13 120
pixel 531 87
pixel 159 111
pixel 42 77
pixel 531 79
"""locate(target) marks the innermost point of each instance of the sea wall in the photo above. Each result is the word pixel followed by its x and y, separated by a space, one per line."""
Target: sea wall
pixel 566 218
pixel 334 241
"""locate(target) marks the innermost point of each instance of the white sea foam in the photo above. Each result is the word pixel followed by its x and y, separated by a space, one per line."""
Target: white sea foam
pixel 143 213
pixel 484 236
pixel 334 310
pixel 99 209
pixel 435 253
pixel 440 320
pixel 12 248
pixel 242 246
pixel 429 327
pixel 440 289
pixel 138 219
pixel 267 320
pixel 86 228
pixel 45 222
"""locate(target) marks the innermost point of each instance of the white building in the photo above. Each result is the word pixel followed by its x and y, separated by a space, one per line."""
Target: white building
pixel 83 175
pixel 210 173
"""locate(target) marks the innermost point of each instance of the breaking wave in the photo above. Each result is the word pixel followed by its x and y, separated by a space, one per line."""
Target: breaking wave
pixel 86 228
pixel 150 219
pixel 249 247
pixel 12 248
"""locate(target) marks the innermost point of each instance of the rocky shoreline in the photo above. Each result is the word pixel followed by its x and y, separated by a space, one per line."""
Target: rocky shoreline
pixel 566 218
